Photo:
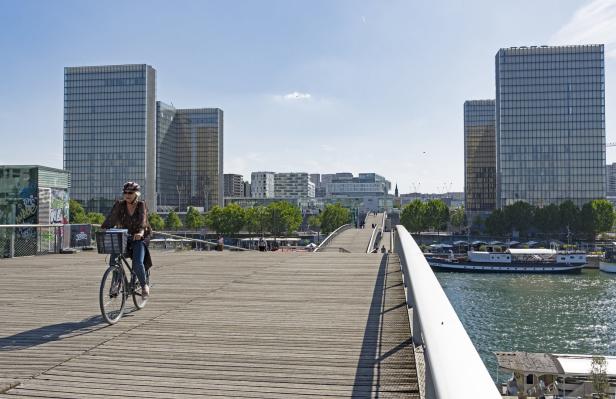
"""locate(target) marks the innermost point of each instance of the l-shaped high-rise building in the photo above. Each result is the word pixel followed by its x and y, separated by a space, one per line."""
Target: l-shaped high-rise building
pixel 115 131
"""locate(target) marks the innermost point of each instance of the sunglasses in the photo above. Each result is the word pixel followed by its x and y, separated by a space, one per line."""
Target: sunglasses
pixel 129 192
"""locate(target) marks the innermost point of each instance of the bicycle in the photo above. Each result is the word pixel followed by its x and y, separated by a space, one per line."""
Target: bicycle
pixel 115 287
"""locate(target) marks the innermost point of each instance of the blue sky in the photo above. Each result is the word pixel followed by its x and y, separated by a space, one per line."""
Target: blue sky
pixel 314 86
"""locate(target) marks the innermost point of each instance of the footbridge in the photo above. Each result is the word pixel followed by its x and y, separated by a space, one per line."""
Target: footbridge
pixel 340 322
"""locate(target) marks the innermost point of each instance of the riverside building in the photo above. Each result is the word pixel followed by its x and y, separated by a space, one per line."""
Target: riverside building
pixel 110 132
pixel 293 185
pixel 479 157
pixel 262 184
pixel 190 155
pixel 550 124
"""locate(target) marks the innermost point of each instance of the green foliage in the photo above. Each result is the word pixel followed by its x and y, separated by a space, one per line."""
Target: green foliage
pixel 596 216
pixel 334 216
pixel 227 221
pixel 519 216
pixel 256 219
pixel 156 221
pixel 314 222
pixel 569 216
pixel 413 216
pixel 458 218
pixel 235 218
pixel 95 217
pixel 436 214
pixel 283 217
pixel 173 221
pixel 193 219
pixel 603 215
pixel 496 224
pixel 598 375
pixel 76 212
pixel 547 219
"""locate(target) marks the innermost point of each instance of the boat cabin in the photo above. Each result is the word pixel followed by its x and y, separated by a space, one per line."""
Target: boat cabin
pixel 553 375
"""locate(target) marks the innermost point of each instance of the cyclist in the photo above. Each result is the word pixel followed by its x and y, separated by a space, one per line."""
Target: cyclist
pixel 132 214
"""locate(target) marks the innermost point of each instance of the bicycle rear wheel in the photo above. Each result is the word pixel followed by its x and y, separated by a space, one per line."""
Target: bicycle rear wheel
pixel 112 295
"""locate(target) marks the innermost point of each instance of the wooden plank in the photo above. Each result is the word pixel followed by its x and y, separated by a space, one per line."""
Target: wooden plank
pixel 248 325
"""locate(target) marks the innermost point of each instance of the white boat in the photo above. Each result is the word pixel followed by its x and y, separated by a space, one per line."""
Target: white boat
pixel 512 261
pixel 552 375
pixel 608 263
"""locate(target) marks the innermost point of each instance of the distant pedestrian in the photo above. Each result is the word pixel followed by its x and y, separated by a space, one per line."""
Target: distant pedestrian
pixel 221 243
pixel 262 245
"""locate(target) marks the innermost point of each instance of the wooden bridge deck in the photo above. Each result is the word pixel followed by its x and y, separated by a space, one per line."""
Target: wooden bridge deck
pixel 236 325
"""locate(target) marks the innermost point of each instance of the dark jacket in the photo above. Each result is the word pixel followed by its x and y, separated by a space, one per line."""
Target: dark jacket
pixel 119 217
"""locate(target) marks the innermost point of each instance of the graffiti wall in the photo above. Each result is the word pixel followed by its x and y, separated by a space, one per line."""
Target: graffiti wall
pixel 18 195
pixel 58 212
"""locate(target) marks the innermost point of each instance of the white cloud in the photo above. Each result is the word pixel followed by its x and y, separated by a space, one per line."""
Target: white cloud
pixel 593 23
pixel 295 96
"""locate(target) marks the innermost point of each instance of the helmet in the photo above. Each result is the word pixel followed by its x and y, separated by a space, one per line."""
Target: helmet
pixel 131 187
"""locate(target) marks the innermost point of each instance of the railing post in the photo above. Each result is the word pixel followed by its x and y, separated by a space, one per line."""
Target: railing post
pixel 12 250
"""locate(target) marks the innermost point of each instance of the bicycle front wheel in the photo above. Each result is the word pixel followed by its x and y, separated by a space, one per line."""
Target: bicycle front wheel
pixel 112 295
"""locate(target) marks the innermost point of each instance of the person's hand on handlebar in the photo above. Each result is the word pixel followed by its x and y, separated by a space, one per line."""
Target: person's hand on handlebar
pixel 138 236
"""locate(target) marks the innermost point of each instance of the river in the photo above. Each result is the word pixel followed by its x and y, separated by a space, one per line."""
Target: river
pixel 535 313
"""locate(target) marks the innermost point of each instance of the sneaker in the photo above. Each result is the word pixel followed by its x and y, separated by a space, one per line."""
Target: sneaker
pixel 145 291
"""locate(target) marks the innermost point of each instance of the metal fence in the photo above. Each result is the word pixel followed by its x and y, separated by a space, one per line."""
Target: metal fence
pixel 453 366
pixel 30 239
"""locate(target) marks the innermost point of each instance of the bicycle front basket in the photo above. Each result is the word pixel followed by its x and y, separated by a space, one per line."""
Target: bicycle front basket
pixel 111 242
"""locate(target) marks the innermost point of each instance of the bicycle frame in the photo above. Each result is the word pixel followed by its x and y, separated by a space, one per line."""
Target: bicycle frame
pixel 129 285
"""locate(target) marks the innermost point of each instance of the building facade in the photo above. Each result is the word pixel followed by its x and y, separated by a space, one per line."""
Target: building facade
pixel 610 175
pixel 365 183
pixel 234 186
pixel 109 132
pixel 479 157
pixel 293 185
pixel 190 153
pixel 550 124
pixel 262 184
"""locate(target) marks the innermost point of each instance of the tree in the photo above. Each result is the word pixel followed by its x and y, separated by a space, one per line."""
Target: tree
pixel 235 218
pixel 598 375
pixel 95 217
pixel 547 219
pixel 458 218
pixel 173 221
pixel 227 221
pixel 255 219
pixel 76 212
pixel 596 216
pixel 603 215
pixel 519 216
pixel 283 217
pixel 193 220
pixel 496 224
pixel 156 221
pixel 334 216
pixel 437 214
pixel 569 216
pixel 413 216
pixel 314 222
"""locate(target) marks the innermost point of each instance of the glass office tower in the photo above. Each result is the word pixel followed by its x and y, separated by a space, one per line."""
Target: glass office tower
pixel 479 157
pixel 109 132
pixel 550 124
pixel 190 152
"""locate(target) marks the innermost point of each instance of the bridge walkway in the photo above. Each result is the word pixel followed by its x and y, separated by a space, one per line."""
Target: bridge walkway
pixel 354 240
pixel 223 325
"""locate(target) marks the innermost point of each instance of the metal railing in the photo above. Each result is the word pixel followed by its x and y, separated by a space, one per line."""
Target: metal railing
pixel 209 244
pixel 376 235
pixel 30 239
pixel 453 366
pixel 331 236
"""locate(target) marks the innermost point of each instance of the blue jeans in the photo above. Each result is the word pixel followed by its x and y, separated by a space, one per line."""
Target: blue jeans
pixel 138 251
